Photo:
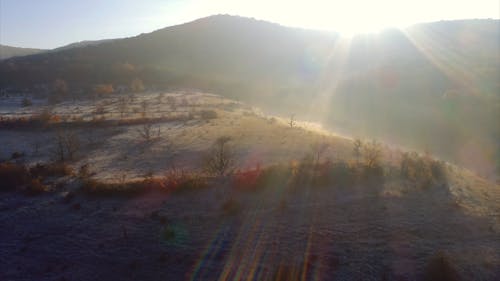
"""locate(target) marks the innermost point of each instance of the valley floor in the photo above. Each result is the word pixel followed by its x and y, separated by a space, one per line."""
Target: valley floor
pixel 324 233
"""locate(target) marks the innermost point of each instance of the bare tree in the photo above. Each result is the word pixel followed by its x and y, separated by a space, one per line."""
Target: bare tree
pixel 146 131
pixel 122 106
pixel 318 149
pixel 58 151
pixel 26 102
pixel 72 143
pixel 358 144
pixel 66 146
pixel 372 153
pixel 144 107
pixel 219 160
pixel 292 122
pixel 136 85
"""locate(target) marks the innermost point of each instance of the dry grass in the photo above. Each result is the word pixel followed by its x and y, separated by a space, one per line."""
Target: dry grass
pixel 29 179
pixel 13 176
pixel 168 184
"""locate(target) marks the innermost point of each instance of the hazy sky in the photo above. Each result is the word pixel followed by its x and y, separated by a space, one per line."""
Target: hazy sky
pixel 53 23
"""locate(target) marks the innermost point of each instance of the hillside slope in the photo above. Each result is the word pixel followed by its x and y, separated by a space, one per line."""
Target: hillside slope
pixel 282 228
pixel 9 51
pixel 426 87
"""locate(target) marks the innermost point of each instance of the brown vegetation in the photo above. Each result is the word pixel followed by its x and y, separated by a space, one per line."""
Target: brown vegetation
pixel 422 170
pixel 29 179
pixel 208 114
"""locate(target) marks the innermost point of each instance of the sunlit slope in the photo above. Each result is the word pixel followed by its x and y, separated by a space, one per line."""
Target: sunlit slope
pixel 113 145
pixel 432 86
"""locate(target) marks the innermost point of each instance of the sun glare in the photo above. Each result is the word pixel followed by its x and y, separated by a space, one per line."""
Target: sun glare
pixel 347 18
pixel 362 28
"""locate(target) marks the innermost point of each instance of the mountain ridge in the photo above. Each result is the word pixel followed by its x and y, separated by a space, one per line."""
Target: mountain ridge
pixel 7 51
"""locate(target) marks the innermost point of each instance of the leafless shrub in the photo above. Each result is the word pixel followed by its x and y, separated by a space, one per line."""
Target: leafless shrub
pixel 66 146
pixel 423 170
pixel 372 154
pixel 17 155
pixel 26 102
pixel 358 145
pixel 35 187
pixel 137 85
pixel 72 143
pixel 43 170
pixel 44 116
pixel 231 207
pixel 440 268
pixel 146 131
pixel 219 160
pixel 84 171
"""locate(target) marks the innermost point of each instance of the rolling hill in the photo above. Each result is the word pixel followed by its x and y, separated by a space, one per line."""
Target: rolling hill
pixel 9 51
pixel 432 86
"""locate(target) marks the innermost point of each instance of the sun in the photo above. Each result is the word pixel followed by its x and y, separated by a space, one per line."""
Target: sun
pixel 353 29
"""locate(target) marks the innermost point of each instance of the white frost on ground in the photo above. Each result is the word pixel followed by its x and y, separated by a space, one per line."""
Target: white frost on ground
pixel 347 233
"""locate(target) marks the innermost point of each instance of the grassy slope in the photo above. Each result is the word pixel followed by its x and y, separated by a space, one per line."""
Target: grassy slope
pixel 395 227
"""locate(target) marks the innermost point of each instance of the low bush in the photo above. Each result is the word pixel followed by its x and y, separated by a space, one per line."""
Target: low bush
pixel 440 268
pixel 297 174
pixel 173 234
pixel 249 180
pixel 13 176
pixel 180 183
pixel 438 170
pixel 39 120
pixel 17 155
pixel 26 102
pixel 29 179
pixel 44 170
pixel 93 187
pixel 84 171
pixel 177 180
pixel 373 174
pixel 336 173
pixel 277 175
pixel 208 114
pixel 423 170
pixel 35 187
pixel 231 207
